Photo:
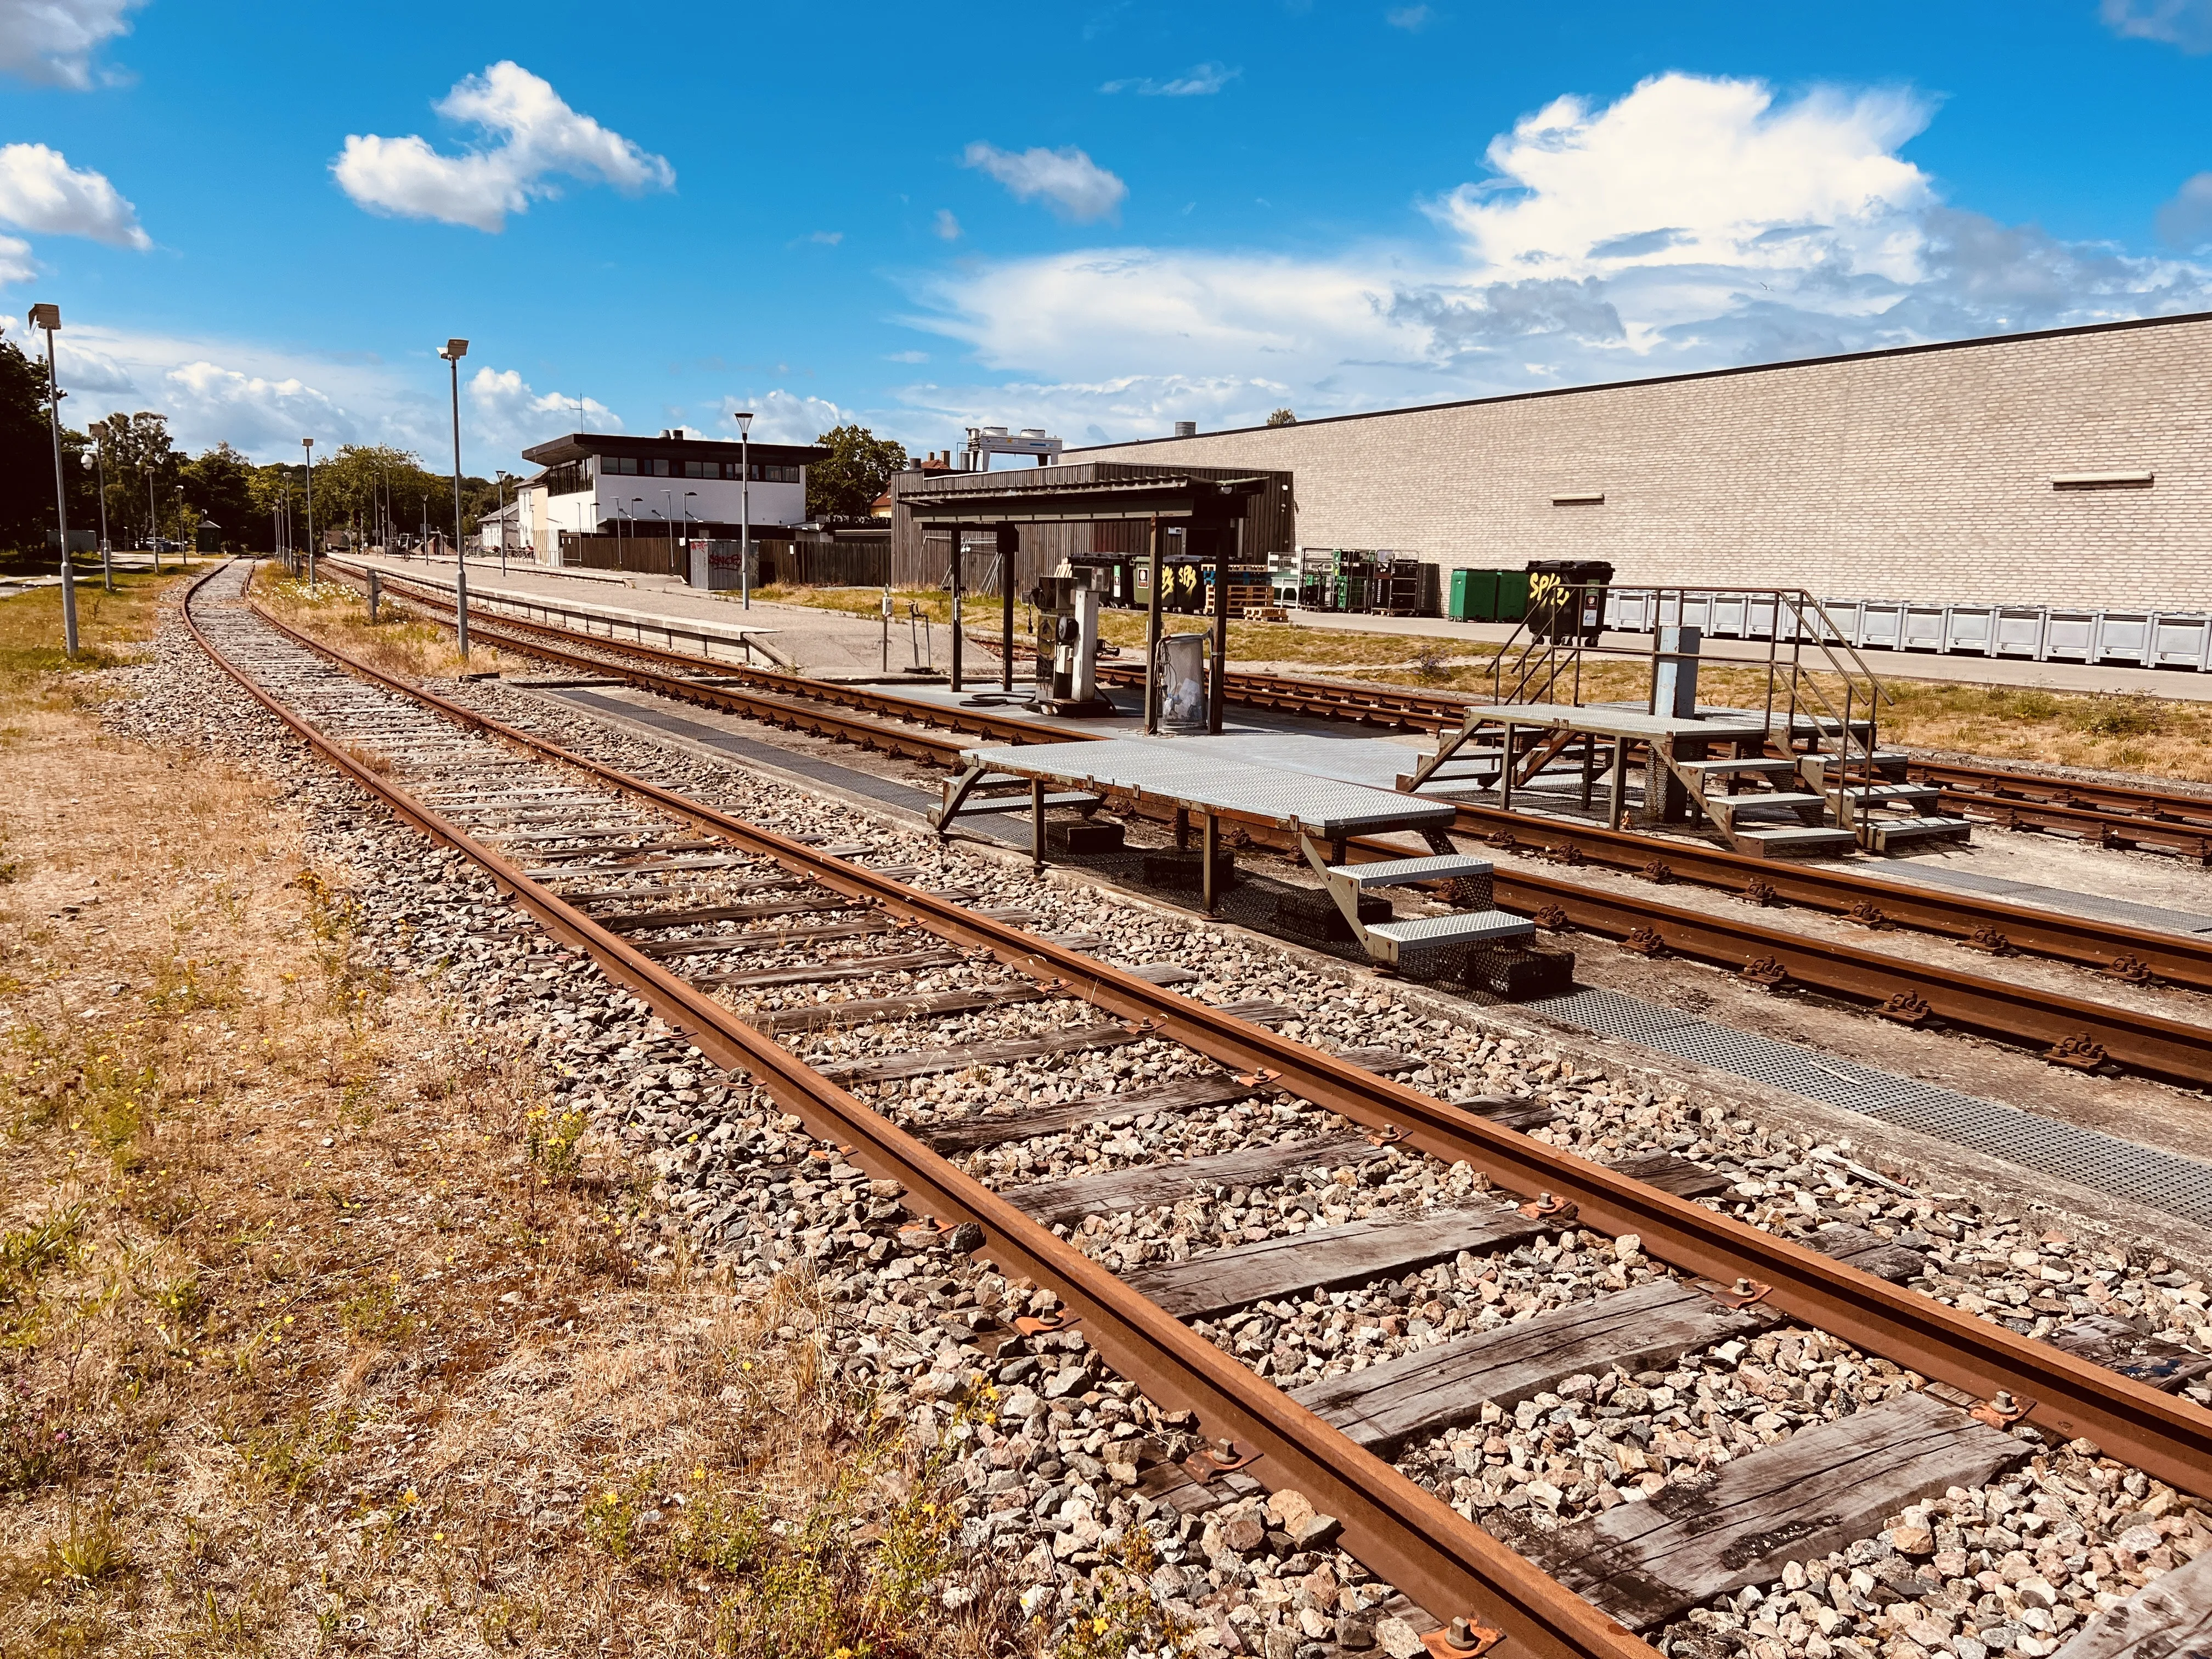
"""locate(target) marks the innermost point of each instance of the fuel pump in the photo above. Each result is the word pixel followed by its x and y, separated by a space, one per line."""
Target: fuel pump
pixel 1067 645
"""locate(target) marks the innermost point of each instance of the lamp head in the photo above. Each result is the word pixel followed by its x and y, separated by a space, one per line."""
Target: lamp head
pixel 306 443
pixel 744 421
pixel 454 351
pixel 97 428
pixel 46 317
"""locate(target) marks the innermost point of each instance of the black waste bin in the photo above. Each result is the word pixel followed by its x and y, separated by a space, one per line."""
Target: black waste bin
pixel 1566 598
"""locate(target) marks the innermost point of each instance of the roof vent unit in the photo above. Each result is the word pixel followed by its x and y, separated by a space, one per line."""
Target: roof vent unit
pixel 1186 428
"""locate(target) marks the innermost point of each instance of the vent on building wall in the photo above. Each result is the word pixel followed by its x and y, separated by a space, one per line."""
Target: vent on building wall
pixel 2102 480
pixel 1580 498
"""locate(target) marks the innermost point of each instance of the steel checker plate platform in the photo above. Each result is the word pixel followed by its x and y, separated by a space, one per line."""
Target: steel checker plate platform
pixel 1190 772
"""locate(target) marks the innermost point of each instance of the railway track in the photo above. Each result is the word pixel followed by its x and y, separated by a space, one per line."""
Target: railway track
pixel 665 895
pixel 2084 1032
pixel 2108 814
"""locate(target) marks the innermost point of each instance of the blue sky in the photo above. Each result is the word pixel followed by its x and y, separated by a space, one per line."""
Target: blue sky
pixel 1098 219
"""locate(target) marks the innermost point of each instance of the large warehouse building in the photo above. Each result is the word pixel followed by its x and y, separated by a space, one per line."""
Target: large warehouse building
pixel 2068 468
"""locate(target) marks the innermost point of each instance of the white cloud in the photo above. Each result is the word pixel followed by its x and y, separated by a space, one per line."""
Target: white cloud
pixel 39 191
pixel 1691 223
pixel 1073 185
pixel 252 411
pixel 827 237
pixel 907 358
pixel 1200 80
pixel 946 226
pixel 17 265
pixel 507 413
pixel 1411 18
pixel 781 417
pixel 1143 405
pixel 2183 23
pixel 537 137
pixel 52 41
pixel 2186 221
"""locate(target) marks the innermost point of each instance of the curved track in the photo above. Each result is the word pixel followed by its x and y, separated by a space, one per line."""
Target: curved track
pixel 342 708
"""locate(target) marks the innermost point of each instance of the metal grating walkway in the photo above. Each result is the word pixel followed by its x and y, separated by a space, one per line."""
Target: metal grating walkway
pixel 2179 1186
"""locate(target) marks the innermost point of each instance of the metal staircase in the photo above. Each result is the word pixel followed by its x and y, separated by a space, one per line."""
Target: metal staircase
pixel 1807 775
pixel 1392 942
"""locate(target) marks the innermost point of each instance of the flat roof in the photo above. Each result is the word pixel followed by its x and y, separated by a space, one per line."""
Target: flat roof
pixel 1978 340
pixel 1024 497
pixel 577 446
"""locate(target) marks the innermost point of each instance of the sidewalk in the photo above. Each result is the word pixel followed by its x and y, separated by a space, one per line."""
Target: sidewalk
pixel 1885 665
pixel 824 643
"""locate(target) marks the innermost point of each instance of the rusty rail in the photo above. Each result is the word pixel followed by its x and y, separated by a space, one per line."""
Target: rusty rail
pixel 1454 1563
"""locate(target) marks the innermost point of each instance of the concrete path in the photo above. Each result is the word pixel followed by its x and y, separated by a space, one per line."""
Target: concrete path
pixel 828 644
pixel 1886 665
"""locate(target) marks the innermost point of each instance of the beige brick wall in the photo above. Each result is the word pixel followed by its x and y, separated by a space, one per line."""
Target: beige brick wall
pixel 1921 475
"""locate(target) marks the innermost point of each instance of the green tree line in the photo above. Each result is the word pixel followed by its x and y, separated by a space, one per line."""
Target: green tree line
pixel 153 488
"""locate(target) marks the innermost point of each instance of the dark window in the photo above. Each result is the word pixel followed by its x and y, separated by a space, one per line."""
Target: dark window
pixel 568 480
pixel 660 468
pixel 617 465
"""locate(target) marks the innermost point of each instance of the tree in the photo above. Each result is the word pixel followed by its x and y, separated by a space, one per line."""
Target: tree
pixel 142 477
pixel 859 465
pixel 1282 417
pixel 27 460
pixel 219 487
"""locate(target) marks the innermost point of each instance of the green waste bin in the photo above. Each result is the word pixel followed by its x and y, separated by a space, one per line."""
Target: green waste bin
pixel 1512 595
pixel 1476 594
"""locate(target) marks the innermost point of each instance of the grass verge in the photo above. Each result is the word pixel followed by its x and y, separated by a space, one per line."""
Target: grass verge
pixel 317 1335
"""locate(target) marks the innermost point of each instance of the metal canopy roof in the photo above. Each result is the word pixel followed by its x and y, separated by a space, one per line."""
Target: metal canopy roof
pixel 576 445
pixel 1056 502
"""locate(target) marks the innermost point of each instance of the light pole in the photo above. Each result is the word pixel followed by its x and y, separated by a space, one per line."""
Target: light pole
pixel 503 480
pixel 689 496
pixel 308 444
pixel 745 420
pixel 183 527
pixel 49 318
pixel 97 461
pixel 453 352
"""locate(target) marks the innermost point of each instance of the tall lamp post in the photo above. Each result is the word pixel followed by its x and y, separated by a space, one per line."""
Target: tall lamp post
pixel 308 444
pixel 49 318
pixel 184 528
pixel 503 480
pixel 689 496
pixel 745 420
pixel 454 351
pixel 98 462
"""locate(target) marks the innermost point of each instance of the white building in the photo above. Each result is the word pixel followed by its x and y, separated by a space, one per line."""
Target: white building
pixel 506 530
pixel 598 484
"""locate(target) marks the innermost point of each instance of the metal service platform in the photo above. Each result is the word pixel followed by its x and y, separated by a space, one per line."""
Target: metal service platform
pixel 1193 778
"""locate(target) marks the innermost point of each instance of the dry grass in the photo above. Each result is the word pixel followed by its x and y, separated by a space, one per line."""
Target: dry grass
pixel 318 1329
pixel 1247 641
pixel 337 613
